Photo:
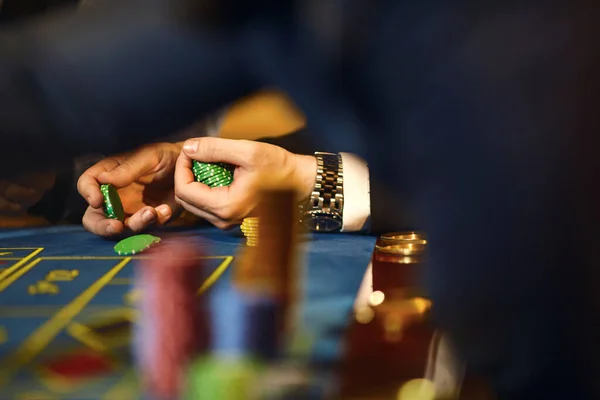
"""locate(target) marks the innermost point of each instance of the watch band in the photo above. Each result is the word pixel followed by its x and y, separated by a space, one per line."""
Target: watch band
pixel 328 193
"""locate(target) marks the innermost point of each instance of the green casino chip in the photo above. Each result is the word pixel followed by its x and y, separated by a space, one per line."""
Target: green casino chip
pixel 224 378
pixel 113 208
pixel 213 174
pixel 200 177
pixel 214 168
pixel 217 180
pixel 135 244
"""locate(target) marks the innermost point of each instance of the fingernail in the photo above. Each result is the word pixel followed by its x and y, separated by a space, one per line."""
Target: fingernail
pixel 163 210
pixel 147 216
pixel 190 146
pixel 111 230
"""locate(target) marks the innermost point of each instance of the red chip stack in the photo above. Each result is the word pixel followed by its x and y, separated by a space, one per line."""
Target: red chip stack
pixel 172 326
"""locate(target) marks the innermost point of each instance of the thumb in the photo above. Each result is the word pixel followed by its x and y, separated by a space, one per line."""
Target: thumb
pixel 130 170
pixel 211 149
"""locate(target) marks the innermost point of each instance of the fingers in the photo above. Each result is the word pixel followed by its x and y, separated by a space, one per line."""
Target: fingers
pixel 88 185
pixel 216 221
pixel 96 222
pixel 18 194
pixel 192 192
pixel 23 191
pixel 221 206
pixel 9 208
pixel 22 197
pixel 142 219
pixel 129 170
pixel 165 212
pixel 39 181
pixel 209 149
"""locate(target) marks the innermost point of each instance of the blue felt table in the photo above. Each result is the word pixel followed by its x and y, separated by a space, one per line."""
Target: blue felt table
pixel 89 282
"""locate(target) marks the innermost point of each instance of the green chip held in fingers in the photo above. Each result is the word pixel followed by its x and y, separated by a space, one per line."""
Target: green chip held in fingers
pixel 135 244
pixel 113 208
pixel 213 174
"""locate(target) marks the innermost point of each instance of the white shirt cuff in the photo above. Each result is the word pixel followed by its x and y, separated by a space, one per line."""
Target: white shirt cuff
pixel 357 193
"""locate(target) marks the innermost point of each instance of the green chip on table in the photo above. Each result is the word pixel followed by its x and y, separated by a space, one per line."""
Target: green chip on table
pixel 113 208
pixel 135 244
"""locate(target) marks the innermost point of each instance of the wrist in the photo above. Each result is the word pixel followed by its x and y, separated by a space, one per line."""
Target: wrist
pixel 305 173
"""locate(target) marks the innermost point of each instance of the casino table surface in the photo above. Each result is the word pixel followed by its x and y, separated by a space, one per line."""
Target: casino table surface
pixel 66 305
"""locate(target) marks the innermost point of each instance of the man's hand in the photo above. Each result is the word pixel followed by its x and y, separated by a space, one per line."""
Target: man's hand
pixel 227 206
pixel 24 191
pixel 144 179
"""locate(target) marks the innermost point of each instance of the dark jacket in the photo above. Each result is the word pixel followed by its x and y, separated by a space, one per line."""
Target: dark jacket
pixel 19 10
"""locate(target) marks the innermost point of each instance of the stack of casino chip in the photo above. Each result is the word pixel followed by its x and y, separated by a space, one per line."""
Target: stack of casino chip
pixel 232 369
pixel 172 327
pixel 213 174
pixel 250 230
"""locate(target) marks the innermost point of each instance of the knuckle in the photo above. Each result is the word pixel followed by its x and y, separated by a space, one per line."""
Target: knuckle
pixel 155 157
pixel 223 224
pixel 179 194
pixel 254 153
pixel 225 212
pixel 136 228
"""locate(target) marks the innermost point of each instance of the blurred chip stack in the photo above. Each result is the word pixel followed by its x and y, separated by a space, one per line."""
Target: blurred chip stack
pixel 232 367
pixel 172 326
pixel 277 273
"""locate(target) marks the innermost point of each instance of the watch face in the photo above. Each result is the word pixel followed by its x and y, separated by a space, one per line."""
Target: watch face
pixel 323 222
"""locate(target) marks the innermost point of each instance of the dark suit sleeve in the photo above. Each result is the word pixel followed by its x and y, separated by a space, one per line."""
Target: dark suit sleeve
pixel 108 79
pixel 383 200
pixel 16 10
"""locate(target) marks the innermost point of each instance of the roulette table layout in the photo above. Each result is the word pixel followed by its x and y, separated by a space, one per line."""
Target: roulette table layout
pixel 67 305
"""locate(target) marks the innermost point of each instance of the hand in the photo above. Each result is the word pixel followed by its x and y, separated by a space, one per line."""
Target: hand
pixel 24 191
pixel 144 179
pixel 227 206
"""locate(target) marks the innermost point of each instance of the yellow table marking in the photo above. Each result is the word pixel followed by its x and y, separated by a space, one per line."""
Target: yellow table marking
pixel 62 319
pixel 3 335
pixel 6 253
pixel 40 339
pixel 215 275
pixel 132 297
pixel 4 274
pixel 43 287
pixel 35 396
pixel 63 275
pixel 121 281
pixel 85 336
pixel 126 388
pixel 48 286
